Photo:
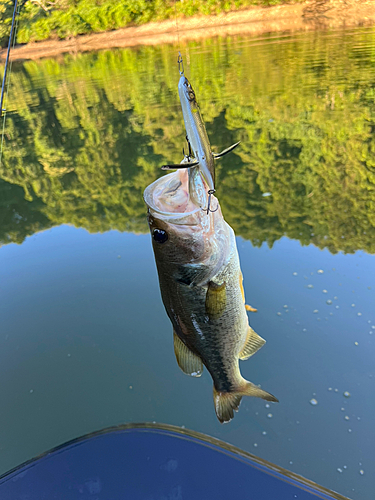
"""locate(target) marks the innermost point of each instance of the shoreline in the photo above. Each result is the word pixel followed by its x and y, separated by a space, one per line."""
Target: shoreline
pixel 308 16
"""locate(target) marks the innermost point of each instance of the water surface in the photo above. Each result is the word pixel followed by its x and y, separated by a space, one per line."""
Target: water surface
pixel 85 342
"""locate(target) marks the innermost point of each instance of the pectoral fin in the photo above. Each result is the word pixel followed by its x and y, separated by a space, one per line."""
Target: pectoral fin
pixel 252 344
pixel 228 402
pixel 216 300
pixel 189 362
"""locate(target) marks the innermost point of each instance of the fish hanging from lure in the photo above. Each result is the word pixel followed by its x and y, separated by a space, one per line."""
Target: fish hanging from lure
pixel 199 148
pixel 199 272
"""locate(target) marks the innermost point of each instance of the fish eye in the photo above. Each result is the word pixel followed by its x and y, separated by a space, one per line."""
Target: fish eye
pixel 159 235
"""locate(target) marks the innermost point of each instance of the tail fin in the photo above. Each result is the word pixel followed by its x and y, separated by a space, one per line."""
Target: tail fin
pixel 228 402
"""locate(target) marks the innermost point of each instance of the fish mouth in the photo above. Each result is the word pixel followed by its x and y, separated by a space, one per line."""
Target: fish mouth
pixel 168 198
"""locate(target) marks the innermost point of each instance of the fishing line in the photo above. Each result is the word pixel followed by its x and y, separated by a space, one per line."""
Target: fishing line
pixel 178 32
pixel 6 76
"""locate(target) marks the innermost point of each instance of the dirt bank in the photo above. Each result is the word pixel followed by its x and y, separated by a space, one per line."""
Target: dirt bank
pixel 311 15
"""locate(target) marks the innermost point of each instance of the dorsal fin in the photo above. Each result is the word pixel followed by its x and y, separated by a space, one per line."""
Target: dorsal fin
pixel 252 344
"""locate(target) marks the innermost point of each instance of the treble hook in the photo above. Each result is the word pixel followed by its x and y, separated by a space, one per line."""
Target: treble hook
pixel 189 156
pixel 210 193
pixel 180 64
pixel 190 151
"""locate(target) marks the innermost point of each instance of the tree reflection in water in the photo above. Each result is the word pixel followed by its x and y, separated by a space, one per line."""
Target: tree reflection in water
pixel 85 134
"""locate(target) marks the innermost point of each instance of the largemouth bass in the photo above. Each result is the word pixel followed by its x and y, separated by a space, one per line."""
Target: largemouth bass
pixel 198 266
pixel 201 286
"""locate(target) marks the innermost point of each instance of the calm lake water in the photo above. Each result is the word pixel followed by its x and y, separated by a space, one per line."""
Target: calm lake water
pixel 85 342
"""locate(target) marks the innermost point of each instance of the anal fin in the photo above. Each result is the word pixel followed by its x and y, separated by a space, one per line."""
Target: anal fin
pixel 252 344
pixel 189 362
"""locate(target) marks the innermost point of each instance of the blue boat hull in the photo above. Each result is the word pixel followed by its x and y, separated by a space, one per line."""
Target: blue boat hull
pixel 152 462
